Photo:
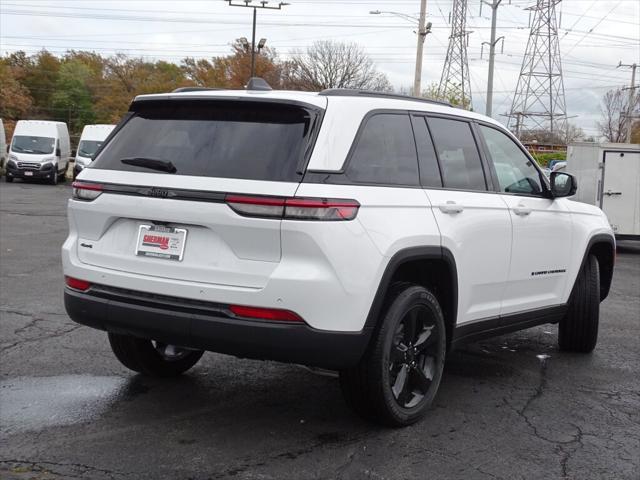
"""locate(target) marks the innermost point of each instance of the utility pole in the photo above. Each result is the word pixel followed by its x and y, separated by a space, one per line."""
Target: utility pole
pixel 630 103
pixel 264 5
pixel 422 33
pixel 455 80
pixel 424 29
pixel 492 52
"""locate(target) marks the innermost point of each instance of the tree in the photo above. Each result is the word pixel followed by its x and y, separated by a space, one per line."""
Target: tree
pixel 545 136
pixel 328 64
pixel 234 70
pixel 15 100
pixel 39 74
pixel 72 100
pixel 432 92
pixel 613 109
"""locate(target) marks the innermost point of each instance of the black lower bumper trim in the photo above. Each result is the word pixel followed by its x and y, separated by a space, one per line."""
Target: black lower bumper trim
pixel 45 173
pixel 212 331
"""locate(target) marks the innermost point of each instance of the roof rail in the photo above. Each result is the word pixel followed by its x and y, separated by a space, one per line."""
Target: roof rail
pixel 194 89
pixel 352 92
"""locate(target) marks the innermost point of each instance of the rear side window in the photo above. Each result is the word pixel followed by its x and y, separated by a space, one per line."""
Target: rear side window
pixel 385 152
pixel 228 139
pixel 458 154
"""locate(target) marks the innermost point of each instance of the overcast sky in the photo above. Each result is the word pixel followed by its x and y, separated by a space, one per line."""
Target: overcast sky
pixel 595 36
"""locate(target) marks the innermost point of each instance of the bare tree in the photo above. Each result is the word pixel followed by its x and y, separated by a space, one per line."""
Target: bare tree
pixel 572 134
pixel 328 64
pixel 614 108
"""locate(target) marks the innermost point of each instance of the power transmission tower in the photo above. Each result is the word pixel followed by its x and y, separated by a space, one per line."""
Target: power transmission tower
pixel 455 82
pixel 539 103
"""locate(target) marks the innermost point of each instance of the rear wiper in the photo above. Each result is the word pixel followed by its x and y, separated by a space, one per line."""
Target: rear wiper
pixel 152 163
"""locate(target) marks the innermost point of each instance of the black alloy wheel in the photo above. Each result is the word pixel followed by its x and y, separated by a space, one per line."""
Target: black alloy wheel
pixel 414 357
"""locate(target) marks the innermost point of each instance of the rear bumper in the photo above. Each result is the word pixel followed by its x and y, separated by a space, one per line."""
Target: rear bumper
pixel 207 326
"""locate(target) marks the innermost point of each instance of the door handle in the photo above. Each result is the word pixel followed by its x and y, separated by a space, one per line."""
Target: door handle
pixel 609 193
pixel 451 207
pixel 521 210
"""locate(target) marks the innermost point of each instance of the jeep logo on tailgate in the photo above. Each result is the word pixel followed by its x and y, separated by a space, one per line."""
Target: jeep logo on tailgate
pixel 157 192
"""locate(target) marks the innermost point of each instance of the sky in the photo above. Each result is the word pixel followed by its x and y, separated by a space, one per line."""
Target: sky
pixel 595 35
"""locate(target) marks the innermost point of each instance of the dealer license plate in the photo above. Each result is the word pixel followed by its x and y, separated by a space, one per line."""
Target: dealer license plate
pixel 161 242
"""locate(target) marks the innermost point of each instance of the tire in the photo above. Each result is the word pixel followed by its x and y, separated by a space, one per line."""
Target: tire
pixel 8 179
pixel 578 330
pixel 144 357
pixel 54 179
pixel 377 389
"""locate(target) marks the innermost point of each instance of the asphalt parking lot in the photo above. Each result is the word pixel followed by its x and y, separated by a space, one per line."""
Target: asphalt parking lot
pixel 511 407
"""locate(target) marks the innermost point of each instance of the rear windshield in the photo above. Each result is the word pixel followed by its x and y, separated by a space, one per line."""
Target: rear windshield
pixel 228 139
pixel 34 145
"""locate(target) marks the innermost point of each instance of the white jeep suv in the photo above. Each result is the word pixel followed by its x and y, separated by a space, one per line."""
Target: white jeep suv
pixel 347 230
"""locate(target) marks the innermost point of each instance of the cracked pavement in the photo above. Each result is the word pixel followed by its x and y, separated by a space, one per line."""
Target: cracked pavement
pixel 512 407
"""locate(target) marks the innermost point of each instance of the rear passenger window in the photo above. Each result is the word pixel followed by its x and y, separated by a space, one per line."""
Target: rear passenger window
pixel 385 152
pixel 458 154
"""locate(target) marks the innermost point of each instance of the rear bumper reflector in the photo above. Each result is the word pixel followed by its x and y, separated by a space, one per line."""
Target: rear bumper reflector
pixel 77 284
pixel 272 314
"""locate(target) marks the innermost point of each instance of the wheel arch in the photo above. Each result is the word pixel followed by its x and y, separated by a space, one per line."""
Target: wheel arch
pixel 431 267
pixel 603 247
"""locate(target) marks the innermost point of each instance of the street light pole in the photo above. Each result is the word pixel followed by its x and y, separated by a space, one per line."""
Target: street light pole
pixel 423 31
pixel 263 5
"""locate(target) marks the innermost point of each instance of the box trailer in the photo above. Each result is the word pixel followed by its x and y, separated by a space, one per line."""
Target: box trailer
pixel 608 176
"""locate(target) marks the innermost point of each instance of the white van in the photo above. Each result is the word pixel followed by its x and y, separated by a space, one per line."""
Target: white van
pixel 39 150
pixel 91 140
pixel 3 146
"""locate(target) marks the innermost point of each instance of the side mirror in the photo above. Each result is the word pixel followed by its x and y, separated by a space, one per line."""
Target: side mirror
pixel 58 153
pixel 563 184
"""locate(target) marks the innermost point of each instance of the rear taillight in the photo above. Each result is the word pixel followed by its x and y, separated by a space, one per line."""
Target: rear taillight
pixel 77 284
pixel 320 209
pixel 272 314
pixel 256 206
pixel 324 209
pixel 86 191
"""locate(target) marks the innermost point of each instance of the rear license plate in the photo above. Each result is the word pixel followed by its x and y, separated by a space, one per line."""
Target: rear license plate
pixel 28 174
pixel 161 242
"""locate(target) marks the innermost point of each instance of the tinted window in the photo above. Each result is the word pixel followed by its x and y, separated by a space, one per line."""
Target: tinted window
pixel 429 170
pixel 458 154
pixel 516 173
pixel 385 152
pixel 256 141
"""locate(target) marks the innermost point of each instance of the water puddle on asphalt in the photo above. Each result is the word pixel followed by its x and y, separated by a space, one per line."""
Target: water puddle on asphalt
pixel 35 403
